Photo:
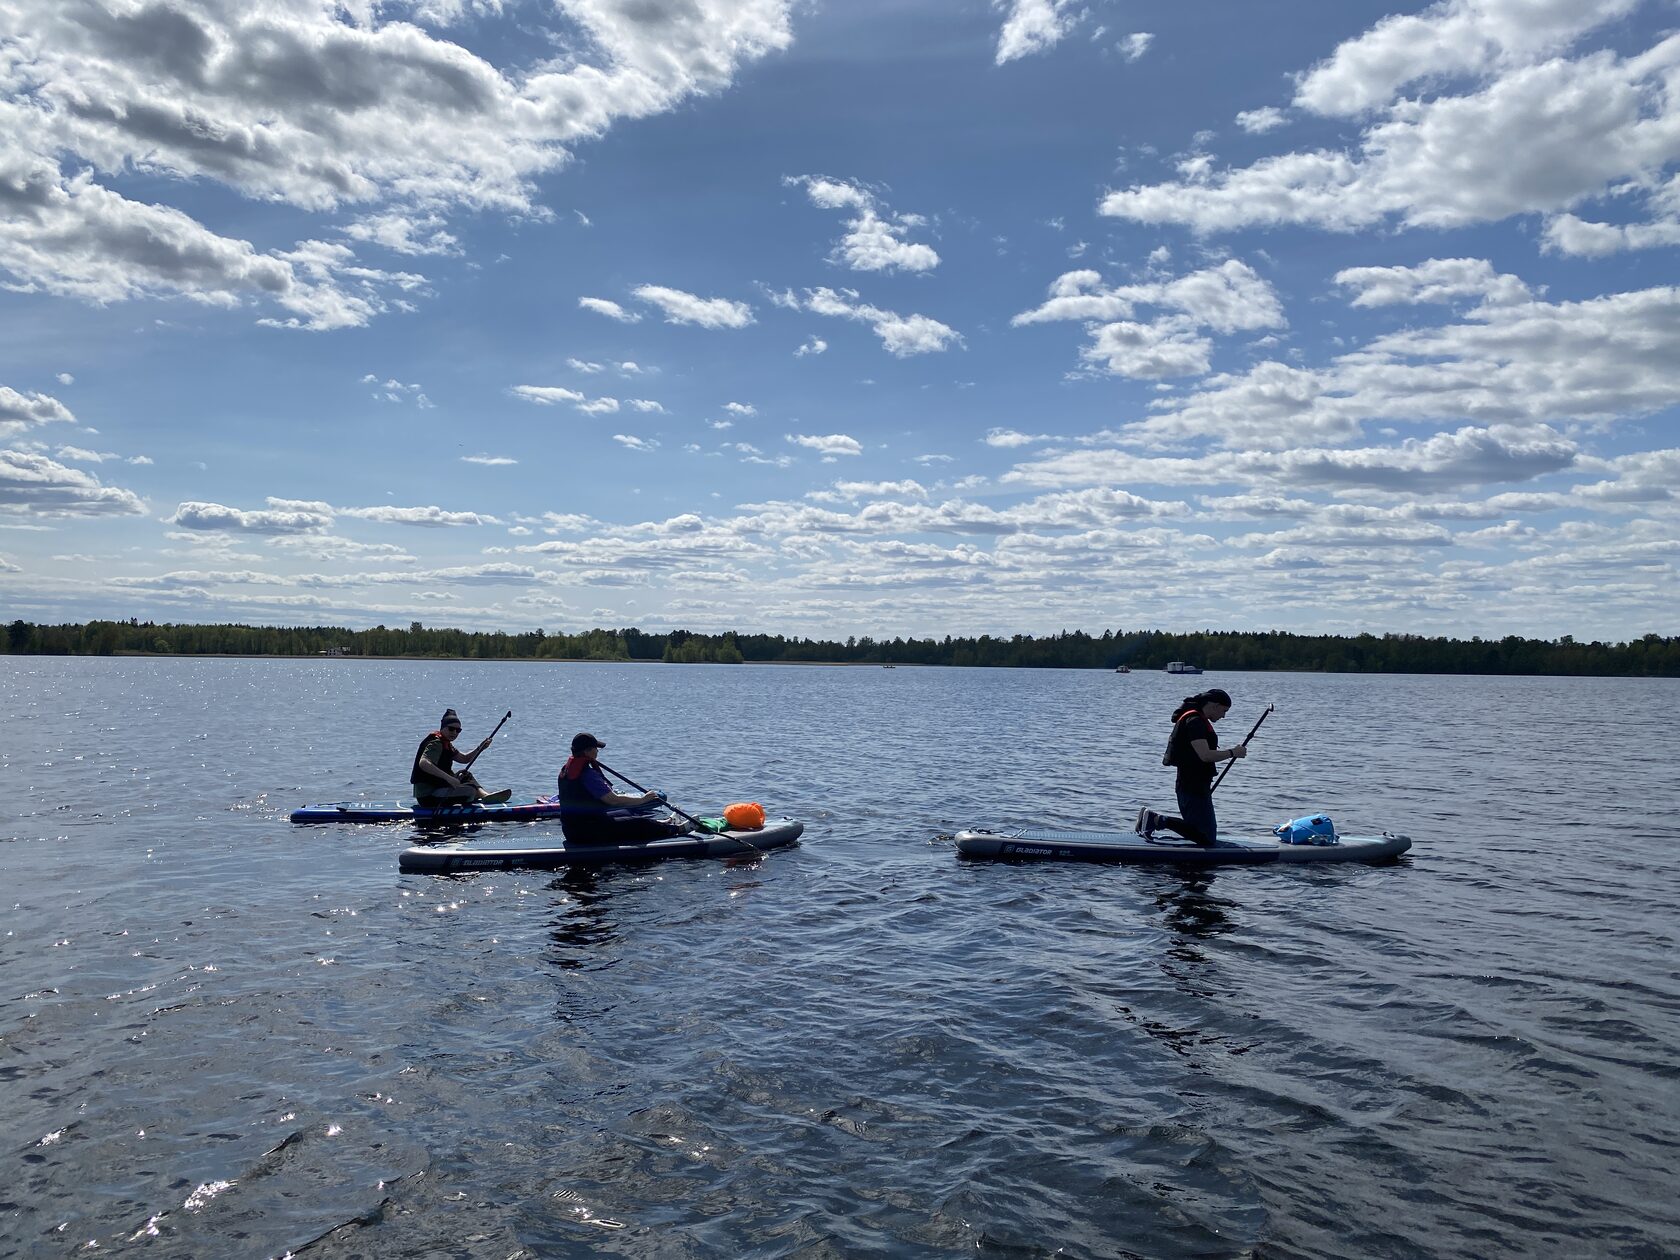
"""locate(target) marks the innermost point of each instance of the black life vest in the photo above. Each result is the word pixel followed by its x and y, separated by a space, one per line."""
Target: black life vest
pixel 574 797
pixel 417 775
pixel 1178 743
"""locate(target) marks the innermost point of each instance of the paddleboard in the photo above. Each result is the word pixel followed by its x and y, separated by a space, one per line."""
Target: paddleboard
pixel 517 809
pixel 451 859
pixel 1054 845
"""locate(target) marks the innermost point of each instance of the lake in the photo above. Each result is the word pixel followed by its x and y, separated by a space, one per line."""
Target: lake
pixel 225 1035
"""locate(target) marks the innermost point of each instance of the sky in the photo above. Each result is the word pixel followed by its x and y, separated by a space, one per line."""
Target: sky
pixel 886 317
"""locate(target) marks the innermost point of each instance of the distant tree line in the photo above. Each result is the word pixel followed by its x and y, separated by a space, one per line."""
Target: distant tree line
pixel 1651 656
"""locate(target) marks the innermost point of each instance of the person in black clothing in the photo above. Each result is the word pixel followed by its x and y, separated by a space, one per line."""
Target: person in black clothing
pixel 1193 749
pixel 592 813
pixel 434 778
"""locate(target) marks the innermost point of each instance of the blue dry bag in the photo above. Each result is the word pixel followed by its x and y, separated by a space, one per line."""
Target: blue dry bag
pixel 1313 829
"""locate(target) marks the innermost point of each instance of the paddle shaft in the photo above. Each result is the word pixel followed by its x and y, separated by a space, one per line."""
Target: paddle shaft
pixel 1244 744
pixel 678 812
pixel 495 732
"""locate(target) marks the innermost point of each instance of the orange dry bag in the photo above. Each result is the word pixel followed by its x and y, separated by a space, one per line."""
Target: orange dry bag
pixel 744 815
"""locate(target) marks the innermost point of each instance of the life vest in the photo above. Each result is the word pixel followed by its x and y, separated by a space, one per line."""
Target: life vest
pixel 415 774
pixel 1176 745
pixel 574 797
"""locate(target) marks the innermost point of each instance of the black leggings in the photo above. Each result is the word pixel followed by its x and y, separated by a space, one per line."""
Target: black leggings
pixel 617 827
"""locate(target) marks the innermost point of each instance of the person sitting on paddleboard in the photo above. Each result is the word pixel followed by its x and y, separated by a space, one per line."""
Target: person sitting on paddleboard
pixel 1193 749
pixel 592 813
pixel 436 783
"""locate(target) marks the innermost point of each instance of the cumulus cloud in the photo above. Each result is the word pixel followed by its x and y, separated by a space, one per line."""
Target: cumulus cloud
pixel 282 516
pixel 1032 26
pixel 812 345
pixel 611 309
pixel 635 443
pixel 1501 364
pixel 1538 138
pixel 1228 298
pixel 1011 438
pixel 875 236
pixel 828 444
pixel 33 485
pixel 1567 234
pixel 901 335
pixel 1259 121
pixel 1455 37
pixel 1437 280
pixel 317 105
pixel 489 461
pixel 23 411
pixel 685 308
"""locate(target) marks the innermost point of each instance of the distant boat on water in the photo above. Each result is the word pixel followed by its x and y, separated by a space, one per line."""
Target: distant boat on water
pixel 1122 669
pixel 1179 667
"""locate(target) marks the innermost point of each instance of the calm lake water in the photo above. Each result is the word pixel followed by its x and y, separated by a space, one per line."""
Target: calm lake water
pixel 223 1035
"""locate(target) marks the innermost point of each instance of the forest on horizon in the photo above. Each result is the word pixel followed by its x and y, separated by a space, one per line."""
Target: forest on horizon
pixel 1652 655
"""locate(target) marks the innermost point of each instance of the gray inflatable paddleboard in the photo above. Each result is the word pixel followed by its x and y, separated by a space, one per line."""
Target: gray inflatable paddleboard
pixel 1053 845
pixel 451 859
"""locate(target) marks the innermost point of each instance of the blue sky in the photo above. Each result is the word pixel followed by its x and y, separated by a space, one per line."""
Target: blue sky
pixel 890 317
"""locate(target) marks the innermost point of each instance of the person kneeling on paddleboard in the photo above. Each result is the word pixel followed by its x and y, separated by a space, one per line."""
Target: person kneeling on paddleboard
pixel 437 784
pixel 592 813
pixel 1193 748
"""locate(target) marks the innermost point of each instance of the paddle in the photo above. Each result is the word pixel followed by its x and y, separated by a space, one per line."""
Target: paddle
pixel 1244 744
pixel 493 735
pixel 678 812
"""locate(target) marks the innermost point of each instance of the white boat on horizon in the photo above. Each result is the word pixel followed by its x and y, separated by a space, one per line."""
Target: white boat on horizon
pixel 1179 667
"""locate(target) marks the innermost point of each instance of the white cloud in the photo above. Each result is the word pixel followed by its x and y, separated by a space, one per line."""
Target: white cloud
pixel 82 455
pixel 611 309
pixel 1259 121
pixel 432 517
pixel 1467 457
pixel 829 444
pixel 901 335
pixel 282 516
pixel 1567 234
pixel 1010 438
pixel 33 485
pixel 1133 46
pixel 403 232
pixel 635 443
pixel 1032 26
pixel 588 369
pixel 1501 364
pixel 1437 280
pixel 316 107
pixel 489 461
pixel 599 406
pixel 22 411
pixel 874 239
pixel 1455 37
pixel 741 409
pixel 547 395
pixel 686 308
pixel 1228 298
pixel 813 345
pixel 1538 138
pixel 645 404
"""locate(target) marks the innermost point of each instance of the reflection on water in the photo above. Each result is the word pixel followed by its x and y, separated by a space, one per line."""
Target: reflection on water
pixel 225 1035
